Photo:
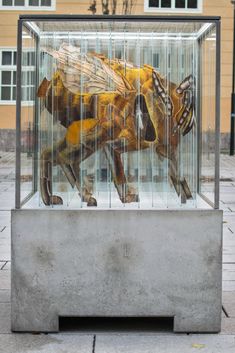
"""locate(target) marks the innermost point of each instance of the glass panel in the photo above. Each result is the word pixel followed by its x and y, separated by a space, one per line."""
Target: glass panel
pixel 45 2
pixel 6 2
pixel 192 4
pixel 29 145
pixel 19 2
pixel 6 93
pixel 31 93
pixel 31 59
pixel 156 60
pixel 6 58
pixel 166 3
pixel 6 77
pixel 153 3
pixel 33 2
pixel 207 112
pixel 180 4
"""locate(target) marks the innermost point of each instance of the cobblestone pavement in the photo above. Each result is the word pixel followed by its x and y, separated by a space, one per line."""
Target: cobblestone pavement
pixel 119 341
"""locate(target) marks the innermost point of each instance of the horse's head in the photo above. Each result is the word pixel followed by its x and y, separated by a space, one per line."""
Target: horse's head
pixel 176 102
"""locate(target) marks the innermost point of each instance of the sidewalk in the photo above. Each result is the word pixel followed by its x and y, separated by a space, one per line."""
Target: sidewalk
pixel 119 341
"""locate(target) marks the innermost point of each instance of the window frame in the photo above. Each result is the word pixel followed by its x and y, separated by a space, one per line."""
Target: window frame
pixel 13 68
pixel 26 7
pixel 173 9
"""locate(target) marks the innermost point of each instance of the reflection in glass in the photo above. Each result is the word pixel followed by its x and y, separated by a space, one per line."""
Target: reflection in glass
pixel 6 93
pixel 6 77
pixel 6 2
pixel 180 4
pixel 192 4
pixel 6 57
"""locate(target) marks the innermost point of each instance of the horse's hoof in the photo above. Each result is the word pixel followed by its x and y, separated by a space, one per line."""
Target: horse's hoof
pixel 137 199
pixel 56 200
pixel 92 202
pixel 131 198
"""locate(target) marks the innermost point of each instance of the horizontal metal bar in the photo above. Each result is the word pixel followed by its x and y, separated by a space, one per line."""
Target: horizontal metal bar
pixel 133 18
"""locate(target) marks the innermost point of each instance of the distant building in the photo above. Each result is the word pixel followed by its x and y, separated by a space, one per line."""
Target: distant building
pixel 9 13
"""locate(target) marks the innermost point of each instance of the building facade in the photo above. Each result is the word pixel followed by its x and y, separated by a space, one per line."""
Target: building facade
pixel 11 9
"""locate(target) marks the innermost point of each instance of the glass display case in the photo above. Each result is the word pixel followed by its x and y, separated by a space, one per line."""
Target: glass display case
pixel 117 112
pixel 117 171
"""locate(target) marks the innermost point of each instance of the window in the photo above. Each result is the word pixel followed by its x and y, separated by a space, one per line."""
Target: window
pixel 45 5
pixel 173 6
pixel 8 76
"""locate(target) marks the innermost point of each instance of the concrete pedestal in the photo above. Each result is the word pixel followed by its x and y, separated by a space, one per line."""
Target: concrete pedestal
pixel 116 263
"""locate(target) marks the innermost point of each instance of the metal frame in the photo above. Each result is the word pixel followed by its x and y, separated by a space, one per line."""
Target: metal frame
pixel 23 19
pixel 127 18
pixel 217 115
pixel 18 116
pixel 232 121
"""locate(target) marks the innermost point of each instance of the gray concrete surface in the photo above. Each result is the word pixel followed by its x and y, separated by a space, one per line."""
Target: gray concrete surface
pixel 159 341
pixel 100 263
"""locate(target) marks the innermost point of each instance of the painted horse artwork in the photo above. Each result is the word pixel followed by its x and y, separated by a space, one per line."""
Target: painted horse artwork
pixel 112 105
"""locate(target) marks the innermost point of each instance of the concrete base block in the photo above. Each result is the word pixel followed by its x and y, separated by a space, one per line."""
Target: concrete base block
pixel 116 263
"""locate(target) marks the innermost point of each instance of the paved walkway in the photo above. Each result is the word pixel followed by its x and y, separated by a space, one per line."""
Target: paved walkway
pixel 119 341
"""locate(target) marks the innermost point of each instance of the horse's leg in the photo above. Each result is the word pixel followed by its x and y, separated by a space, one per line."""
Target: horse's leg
pixel 49 157
pixel 83 184
pixel 113 152
pixel 125 192
pixel 180 184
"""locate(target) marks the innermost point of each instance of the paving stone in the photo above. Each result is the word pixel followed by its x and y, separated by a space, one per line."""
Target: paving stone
pixel 229 232
pixel 5 315
pixel 5 252
pixel 229 250
pixel 164 343
pixel 228 276
pixel 28 343
pixel 229 267
pixel 2 264
pixel 228 198
pixel 230 311
pixel 228 297
pixel 229 235
pixel 228 258
pixel 229 303
pixel 228 241
pixel 7 266
pixel 228 286
pixel 5 256
pixel 228 328
pixel 5 279
pixel 5 296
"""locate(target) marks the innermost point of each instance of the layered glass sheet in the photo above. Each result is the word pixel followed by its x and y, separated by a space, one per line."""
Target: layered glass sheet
pixel 119 113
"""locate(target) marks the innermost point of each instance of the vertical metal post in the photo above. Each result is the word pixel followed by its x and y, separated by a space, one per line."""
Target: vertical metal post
pixel 18 116
pixel 36 118
pixel 233 89
pixel 217 116
pixel 198 108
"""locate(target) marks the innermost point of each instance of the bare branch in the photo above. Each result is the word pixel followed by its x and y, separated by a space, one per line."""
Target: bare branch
pixel 92 7
pixel 105 7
